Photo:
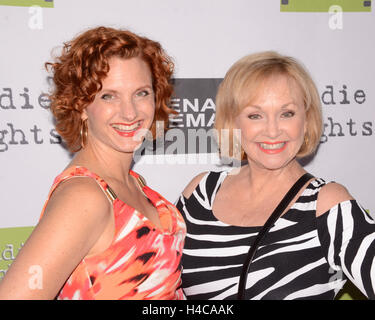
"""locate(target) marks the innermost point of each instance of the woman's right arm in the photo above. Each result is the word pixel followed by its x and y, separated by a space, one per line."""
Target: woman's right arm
pixel 75 218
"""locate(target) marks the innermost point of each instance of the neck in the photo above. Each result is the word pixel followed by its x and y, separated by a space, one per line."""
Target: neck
pixel 260 178
pixel 108 164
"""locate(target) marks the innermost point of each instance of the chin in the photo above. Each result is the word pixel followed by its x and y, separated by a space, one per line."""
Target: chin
pixel 275 168
pixel 271 164
pixel 128 148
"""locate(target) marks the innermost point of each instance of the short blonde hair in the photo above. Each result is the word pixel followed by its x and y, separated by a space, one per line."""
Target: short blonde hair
pixel 241 84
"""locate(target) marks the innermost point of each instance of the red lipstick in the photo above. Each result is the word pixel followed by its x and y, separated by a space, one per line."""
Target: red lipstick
pixel 127 129
pixel 272 147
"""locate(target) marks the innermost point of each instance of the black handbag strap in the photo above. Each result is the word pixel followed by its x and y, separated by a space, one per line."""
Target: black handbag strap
pixel 269 223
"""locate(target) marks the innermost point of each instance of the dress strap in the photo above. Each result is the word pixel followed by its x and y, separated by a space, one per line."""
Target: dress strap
pixel 110 193
pixel 140 181
pixel 79 171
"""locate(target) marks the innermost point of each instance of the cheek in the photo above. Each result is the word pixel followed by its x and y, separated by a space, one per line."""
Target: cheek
pixel 98 117
pixel 99 112
pixel 149 110
pixel 295 129
pixel 249 130
pixel 301 128
pixel 151 107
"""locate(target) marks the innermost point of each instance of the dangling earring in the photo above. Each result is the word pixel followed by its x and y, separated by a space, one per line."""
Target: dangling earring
pixel 305 140
pixel 83 133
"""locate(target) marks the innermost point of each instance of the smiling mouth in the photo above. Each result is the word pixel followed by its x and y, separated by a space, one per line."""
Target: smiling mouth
pixel 127 130
pixel 272 148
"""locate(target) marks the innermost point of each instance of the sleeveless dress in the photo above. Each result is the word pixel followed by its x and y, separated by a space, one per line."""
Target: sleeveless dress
pixel 302 256
pixel 142 262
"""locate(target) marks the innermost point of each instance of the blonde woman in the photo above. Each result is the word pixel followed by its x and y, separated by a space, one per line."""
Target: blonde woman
pixel 322 239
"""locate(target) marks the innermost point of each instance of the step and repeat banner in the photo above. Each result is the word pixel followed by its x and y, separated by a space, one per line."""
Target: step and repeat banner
pixel 332 38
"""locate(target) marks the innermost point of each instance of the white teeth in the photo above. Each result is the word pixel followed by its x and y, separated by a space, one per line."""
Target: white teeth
pixel 272 146
pixel 123 127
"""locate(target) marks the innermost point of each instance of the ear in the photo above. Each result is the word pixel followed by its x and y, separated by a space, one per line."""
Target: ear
pixel 84 115
pixel 305 123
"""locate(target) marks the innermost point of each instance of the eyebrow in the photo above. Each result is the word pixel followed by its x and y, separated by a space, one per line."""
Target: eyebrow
pixel 108 90
pixel 146 86
pixel 282 107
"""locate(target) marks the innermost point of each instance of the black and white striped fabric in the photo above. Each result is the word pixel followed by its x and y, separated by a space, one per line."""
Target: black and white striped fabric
pixel 302 257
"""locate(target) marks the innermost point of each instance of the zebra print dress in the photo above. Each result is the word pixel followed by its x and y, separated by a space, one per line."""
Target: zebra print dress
pixel 302 257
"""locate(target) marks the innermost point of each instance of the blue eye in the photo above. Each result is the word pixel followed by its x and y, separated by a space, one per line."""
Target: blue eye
pixel 254 116
pixel 143 93
pixel 107 96
pixel 288 114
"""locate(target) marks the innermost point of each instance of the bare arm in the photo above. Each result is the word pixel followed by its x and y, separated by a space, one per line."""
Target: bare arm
pixel 189 189
pixel 75 217
pixel 330 195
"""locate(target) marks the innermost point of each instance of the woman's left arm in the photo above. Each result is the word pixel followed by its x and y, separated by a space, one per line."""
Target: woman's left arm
pixel 349 231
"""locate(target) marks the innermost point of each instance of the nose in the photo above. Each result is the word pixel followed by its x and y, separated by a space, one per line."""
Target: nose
pixel 128 110
pixel 273 128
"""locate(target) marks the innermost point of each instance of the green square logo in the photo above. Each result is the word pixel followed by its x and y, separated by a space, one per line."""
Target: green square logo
pixel 11 241
pixel 27 3
pixel 325 5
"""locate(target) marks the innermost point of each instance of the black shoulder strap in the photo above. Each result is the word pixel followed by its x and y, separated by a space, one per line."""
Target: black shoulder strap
pixel 269 223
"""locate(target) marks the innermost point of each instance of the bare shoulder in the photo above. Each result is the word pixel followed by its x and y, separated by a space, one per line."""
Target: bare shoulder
pixel 79 187
pixel 189 189
pixel 78 212
pixel 80 194
pixel 73 221
pixel 330 195
pixel 80 208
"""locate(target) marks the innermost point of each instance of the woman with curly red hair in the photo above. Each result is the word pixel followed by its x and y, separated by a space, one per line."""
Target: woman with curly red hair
pixel 104 234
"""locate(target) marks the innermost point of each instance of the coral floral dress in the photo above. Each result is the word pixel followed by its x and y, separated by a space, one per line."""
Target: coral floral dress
pixel 142 262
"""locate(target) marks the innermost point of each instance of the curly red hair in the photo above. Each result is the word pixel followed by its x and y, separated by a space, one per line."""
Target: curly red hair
pixel 79 71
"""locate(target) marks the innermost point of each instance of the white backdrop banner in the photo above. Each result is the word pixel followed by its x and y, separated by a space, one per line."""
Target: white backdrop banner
pixel 333 39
